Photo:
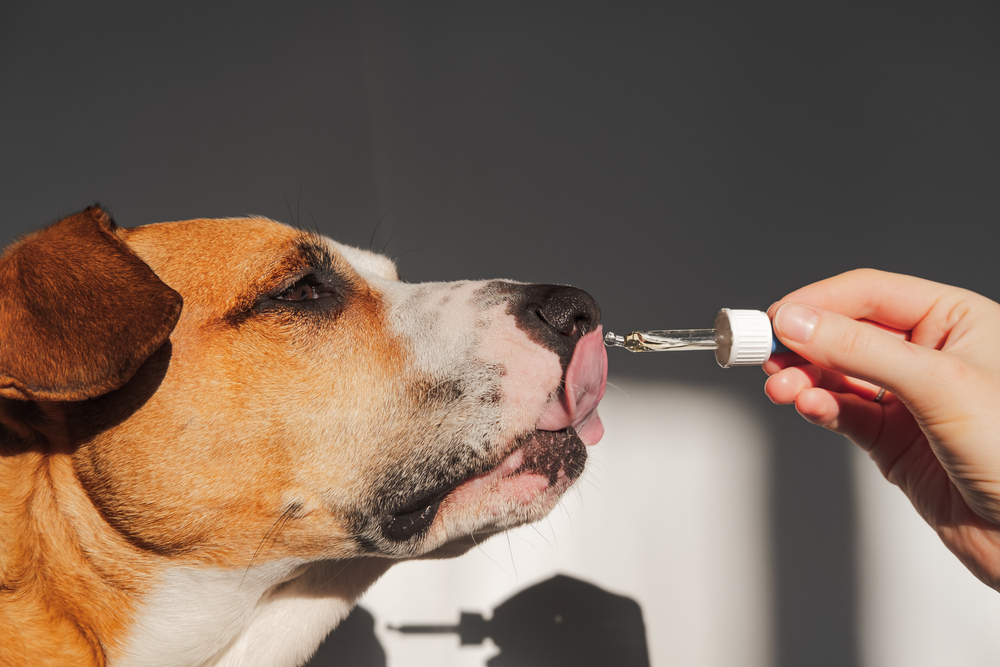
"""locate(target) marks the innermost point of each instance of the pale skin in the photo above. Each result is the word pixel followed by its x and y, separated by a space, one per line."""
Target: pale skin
pixel 936 432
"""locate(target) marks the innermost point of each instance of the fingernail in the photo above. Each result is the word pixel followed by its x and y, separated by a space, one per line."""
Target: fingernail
pixel 795 322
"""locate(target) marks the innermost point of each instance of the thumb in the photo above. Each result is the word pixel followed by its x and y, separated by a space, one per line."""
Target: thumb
pixel 856 349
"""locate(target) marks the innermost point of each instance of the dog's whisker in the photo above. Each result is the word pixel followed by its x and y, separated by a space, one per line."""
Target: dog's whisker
pixel 564 515
pixel 510 550
pixel 524 539
pixel 595 465
pixel 407 252
pixel 272 532
pixel 371 242
pixel 423 398
pixel 315 227
pixel 544 539
pixel 484 552
pixel 288 205
pixel 429 390
pixel 596 488
pixel 386 244
pixel 298 202
pixel 336 574
pixel 447 413
pixel 421 401
pixel 618 389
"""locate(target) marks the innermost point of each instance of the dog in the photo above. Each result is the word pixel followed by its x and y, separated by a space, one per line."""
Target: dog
pixel 215 435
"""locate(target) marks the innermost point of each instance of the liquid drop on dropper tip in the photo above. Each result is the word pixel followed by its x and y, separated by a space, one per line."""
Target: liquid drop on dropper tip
pixel 611 339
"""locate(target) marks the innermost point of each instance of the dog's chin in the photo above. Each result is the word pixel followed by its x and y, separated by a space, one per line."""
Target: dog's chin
pixel 523 487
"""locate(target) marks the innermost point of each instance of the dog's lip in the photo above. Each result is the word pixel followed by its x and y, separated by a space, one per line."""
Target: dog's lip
pixel 540 461
pixel 416 517
pixel 584 385
pixel 540 458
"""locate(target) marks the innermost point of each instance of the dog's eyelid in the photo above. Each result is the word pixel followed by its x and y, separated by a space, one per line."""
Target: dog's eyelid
pixel 306 288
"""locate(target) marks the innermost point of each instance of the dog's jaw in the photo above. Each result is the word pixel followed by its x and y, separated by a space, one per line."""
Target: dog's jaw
pixel 513 428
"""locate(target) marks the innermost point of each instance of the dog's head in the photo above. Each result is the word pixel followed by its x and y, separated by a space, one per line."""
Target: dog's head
pixel 238 391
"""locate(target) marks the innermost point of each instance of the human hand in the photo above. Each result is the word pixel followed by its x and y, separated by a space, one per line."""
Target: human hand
pixel 936 432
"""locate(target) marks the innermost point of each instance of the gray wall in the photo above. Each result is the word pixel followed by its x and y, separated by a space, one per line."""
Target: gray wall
pixel 671 158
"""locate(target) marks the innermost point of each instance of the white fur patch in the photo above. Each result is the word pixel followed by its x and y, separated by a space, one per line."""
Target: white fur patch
pixel 197 616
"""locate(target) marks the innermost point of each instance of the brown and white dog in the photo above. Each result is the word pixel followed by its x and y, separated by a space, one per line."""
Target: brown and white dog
pixel 216 434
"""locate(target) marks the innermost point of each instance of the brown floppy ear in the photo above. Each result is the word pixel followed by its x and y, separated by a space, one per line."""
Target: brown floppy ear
pixel 79 311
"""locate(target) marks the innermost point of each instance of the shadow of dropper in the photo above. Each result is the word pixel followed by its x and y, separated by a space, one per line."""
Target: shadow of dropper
pixel 560 621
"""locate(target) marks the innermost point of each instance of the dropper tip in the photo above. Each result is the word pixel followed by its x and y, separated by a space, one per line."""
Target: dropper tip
pixel 613 340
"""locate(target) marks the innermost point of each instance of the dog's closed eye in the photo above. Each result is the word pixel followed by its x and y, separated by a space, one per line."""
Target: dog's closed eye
pixel 306 289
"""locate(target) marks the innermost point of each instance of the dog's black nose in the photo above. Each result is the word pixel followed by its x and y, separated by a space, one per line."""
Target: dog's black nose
pixel 554 316
pixel 570 311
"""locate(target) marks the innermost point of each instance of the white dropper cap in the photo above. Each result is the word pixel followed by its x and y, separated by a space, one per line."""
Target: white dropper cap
pixel 743 338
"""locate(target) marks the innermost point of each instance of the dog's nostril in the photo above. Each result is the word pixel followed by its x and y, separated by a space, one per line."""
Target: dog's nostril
pixel 554 316
pixel 569 311
pixel 564 326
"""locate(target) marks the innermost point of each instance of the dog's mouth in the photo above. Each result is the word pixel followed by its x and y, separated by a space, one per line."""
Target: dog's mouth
pixel 548 457
pixel 554 452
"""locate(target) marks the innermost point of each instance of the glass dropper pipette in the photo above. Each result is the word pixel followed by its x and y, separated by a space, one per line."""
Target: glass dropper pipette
pixel 740 338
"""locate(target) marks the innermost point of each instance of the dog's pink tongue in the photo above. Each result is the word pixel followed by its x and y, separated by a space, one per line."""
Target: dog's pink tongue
pixel 586 378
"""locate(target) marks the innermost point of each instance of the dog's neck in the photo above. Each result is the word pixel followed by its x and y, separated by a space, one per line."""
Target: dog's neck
pixel 60 601
pixel 57 600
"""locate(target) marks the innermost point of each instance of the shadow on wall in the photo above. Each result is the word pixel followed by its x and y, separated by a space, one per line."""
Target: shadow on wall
pixel 559 622
pixel 352 644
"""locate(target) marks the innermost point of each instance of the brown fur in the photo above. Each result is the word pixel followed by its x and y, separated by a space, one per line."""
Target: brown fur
pixel 55 601
pixel 61 283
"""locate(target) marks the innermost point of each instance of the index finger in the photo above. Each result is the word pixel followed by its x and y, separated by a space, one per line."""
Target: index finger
pixel 893 300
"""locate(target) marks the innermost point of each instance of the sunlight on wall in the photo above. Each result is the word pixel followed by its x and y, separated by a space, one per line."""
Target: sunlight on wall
pixel 920 607
pixel 672 513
